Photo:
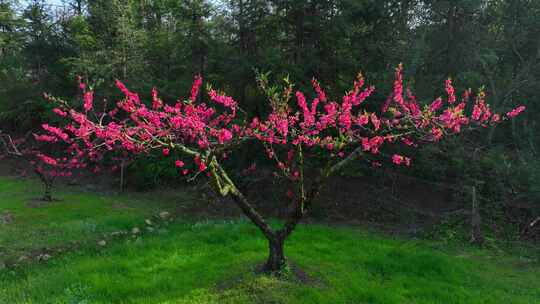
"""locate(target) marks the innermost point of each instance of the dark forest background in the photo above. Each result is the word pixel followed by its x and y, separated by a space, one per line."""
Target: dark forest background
pixel 494 44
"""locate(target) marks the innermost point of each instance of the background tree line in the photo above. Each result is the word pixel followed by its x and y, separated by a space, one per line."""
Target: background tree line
pixel 478 43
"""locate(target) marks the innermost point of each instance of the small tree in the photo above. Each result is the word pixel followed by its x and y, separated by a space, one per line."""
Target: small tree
pixel 47 161
pixel 325 136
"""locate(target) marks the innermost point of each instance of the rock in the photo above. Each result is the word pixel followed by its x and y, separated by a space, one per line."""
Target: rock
pixel 102 243
pixel 135 230
pixel 44 257
pixel 150 229
pixel 2 266
pixel 164 215
pixel 22 258
pixel 148 222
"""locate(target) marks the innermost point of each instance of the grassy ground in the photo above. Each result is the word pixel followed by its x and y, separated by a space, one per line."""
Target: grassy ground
pixel 213 261
pixel 78 216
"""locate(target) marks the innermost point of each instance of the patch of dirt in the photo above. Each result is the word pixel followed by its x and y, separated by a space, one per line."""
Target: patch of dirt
pixel 121 206
pixel 294 273
pixel 43 254
pixel 39 203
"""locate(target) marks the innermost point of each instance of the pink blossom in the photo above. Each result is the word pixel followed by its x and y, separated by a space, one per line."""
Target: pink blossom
pixel 398 160
pixel 450 91
pixel 372 145
pixel 375 121
pixel 224 136
pixel 200 163
pixel 477 112
pixel 345 120
pixel 398 86
pixel 59 112
pixel 282 125
pixel 290 194
pixel 88 100
pixel 290 155
pixel 196 87
pixel 515 112
pixel 435 105
pixel 178 163
pixel 363 119
pixel 363 95
pixel 386 104
pixel 56 131
pixel 320 93
pixel 436 133
pixel 224 100
pixel 308 115
pixel 156 102
pixel 166 152
pixel 407 141
pixel 47 159
pixel 45 138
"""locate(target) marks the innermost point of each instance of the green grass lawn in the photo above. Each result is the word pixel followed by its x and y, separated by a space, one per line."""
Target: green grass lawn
pixel 77 216
pixel 213 261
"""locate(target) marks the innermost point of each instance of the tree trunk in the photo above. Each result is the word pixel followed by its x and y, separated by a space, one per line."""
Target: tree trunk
pixel 276 239
pixel 276 257
pixel 47 194
pixel 477 237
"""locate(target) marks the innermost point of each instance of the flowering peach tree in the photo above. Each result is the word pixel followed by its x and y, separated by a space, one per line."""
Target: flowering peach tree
pixel 296 133
pixel 48 162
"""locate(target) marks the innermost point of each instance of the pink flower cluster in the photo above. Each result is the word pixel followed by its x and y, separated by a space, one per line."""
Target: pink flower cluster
pixel 515 112
pixel 204 132
pixel 401 160
pixel 340 127
pixel 186 126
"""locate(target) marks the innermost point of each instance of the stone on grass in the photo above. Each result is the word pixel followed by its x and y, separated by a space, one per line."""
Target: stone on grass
pixel 135 230
pixel 44 257
pixel 148 222
pixel 102 243
pixel 164 215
